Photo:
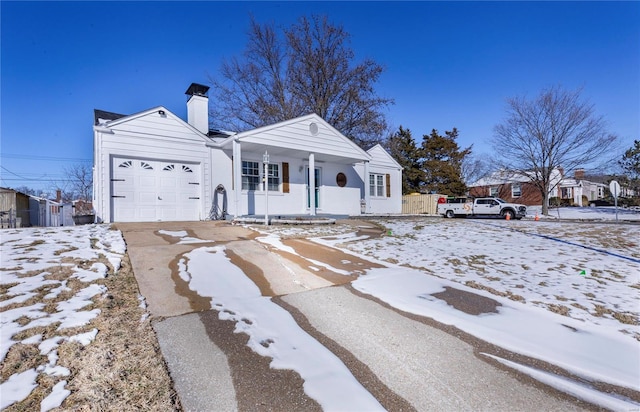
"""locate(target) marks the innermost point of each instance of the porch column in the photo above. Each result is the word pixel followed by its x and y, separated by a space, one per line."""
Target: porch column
pixel 312 184
pixel 367 188
pixel 237 177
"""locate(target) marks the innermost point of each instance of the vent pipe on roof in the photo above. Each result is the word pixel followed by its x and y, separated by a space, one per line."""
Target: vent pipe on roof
pixel 198 107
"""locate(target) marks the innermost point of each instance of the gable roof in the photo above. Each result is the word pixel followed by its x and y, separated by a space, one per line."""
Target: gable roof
pixel 383 157
pixel 309 133
pixel 511 176
pixel 100 116
pixel 172 123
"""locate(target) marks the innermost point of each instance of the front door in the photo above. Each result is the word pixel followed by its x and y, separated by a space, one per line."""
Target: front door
pixel 316 191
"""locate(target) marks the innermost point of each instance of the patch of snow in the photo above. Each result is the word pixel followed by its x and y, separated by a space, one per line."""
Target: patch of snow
pixel 55 292
pixel 56 397
pixel 84 338
pixel 55 370
pixel 98 271
pixel 174 233
pixel 17 387
pixel 275 241
pixel 576 389
pixel 185 239
pixel 32 340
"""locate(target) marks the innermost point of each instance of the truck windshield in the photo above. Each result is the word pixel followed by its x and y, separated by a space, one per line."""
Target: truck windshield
pixel 500 200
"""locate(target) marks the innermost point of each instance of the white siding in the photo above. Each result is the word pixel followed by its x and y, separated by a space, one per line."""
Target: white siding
pixel 296 135
pixel 383 164
pixel 148 136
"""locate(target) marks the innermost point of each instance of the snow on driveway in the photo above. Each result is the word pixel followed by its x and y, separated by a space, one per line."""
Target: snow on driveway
pixel 273 332
pixel 28 260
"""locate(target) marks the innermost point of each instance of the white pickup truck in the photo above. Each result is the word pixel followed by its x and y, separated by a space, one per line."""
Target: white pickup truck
pixel 484 206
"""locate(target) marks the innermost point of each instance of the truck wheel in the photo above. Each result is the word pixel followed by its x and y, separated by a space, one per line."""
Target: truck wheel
pixel 449 214
pixel 508 214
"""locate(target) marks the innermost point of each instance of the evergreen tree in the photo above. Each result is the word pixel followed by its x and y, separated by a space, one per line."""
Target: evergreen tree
pixel 403 149
pixel 442 163
pixel 630 163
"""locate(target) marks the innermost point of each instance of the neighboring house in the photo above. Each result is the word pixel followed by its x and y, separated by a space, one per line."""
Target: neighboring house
pixel 46 212
pixel 154 166
pixel 513 187
pixel 578 189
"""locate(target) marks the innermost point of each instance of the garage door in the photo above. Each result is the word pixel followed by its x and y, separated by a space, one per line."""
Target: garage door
pixel 154 190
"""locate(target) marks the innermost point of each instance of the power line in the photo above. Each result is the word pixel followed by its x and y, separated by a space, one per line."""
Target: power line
pixel 50 158
pixel 17 175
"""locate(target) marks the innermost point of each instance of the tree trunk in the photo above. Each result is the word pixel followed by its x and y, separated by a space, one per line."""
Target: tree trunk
pixel 545 202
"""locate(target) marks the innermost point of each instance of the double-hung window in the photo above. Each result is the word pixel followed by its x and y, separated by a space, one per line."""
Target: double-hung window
pixel 516 190
pixel 493 191
pixel 274 177
pixel 376 185
pixel 250 175
pixel 252 178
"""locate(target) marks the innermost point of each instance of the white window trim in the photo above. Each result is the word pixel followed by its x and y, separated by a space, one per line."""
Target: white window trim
pixel 513 193
pixel 260 184
pixel 378 183
pixel 279 177
pixel 243 175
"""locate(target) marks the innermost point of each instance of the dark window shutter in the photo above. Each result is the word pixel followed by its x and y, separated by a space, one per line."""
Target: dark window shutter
pixel 388 178
pixel 285 177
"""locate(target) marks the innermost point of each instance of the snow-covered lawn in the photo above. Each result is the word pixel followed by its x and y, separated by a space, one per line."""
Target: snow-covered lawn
pixel 601 213
pixel 37 268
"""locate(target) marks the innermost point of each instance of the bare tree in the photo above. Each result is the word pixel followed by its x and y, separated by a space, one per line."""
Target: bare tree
pixel 308 69
pixel 80 186
pixel 557 129
pixel 475 167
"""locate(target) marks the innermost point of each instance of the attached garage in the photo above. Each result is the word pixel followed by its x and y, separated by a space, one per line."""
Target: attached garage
pixel 145 190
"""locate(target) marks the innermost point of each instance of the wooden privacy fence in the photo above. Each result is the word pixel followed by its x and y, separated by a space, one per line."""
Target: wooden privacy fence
pixel 420 204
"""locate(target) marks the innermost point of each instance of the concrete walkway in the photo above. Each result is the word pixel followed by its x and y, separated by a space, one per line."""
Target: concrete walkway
pixel 406 364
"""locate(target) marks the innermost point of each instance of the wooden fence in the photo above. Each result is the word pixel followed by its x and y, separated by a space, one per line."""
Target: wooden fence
pixel 416 204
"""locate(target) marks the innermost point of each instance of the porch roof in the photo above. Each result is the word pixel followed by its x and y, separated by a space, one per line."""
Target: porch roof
pixel 297 138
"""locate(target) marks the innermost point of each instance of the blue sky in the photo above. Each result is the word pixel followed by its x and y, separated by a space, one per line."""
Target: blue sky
pixel 447 64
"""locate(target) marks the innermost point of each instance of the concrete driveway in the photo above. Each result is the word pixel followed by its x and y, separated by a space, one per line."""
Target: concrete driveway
pixel 405 362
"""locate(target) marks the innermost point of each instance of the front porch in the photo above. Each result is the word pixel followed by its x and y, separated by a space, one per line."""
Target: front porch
pixel 296 219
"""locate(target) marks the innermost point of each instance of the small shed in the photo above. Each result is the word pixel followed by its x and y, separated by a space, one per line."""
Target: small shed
pixel 14 209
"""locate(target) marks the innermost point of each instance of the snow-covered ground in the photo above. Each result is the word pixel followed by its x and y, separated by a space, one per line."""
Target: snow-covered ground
pixel 602 213
pixel 568 291
pixel 47 258
pixel 568 294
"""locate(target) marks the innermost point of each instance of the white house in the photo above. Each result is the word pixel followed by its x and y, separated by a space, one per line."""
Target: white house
pixel 579 188
pixel 154 166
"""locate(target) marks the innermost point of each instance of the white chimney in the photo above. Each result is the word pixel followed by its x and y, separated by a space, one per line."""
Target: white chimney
pixel 198 107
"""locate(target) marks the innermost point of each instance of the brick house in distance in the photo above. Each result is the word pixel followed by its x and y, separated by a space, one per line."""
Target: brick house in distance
pixel 513 187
